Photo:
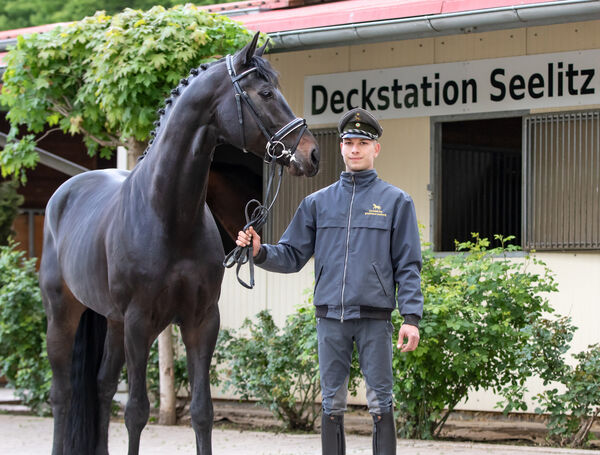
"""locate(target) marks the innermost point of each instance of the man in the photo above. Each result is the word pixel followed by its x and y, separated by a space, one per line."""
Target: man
pixel 364 236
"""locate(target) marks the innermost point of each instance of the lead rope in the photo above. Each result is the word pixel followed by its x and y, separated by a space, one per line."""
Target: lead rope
pixel 244 254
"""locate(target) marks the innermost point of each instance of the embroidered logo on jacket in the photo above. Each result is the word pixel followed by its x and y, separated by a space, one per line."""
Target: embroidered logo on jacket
pixel 376 210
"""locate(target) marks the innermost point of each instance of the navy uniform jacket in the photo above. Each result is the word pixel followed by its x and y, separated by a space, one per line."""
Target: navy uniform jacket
pixel 364 235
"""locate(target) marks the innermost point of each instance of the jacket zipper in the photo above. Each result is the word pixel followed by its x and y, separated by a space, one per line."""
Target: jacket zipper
pixel 347 246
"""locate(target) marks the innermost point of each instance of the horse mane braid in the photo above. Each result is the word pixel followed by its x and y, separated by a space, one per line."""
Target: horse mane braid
pixel 183 83
pixel 263 69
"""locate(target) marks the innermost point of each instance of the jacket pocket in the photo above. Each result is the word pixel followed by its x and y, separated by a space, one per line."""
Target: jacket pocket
pixel 318 277
pixel 379 278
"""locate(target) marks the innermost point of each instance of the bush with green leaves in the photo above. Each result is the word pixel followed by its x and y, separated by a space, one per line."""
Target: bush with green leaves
pixel 279 368
pixel 480 309
pixel 542 353
pixel 573 411
pixel 10 201
pixel 23 358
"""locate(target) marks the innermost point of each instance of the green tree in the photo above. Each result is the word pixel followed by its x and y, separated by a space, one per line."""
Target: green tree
pixel 18 14
pixel 104 76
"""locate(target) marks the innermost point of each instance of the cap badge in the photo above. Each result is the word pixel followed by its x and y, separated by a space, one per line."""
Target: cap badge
pixel 357 125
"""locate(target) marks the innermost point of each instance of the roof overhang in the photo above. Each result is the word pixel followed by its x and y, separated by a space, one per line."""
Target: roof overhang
pixel 432 25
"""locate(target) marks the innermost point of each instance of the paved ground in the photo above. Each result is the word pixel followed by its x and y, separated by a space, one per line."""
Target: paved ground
pixel 26 435
pixel 22 434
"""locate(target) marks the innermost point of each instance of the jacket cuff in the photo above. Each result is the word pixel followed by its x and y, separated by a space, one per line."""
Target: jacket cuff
pixel 261 256
pixel 411 319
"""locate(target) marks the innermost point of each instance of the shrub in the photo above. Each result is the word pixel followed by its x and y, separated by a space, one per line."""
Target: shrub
pixel 279 368
pixel 479 310
pixel 23 358
pixel 10 200
pixel 572 412
pixel 541 353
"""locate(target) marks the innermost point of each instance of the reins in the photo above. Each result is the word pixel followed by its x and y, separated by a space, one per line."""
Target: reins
pixel 277 156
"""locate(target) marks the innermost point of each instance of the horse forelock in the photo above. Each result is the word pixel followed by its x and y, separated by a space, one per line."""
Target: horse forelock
pixel 265 70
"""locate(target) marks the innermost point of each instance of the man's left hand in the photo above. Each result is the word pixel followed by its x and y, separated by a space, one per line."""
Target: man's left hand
pixel 412 333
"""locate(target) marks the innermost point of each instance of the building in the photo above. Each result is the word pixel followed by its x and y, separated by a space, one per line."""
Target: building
pixel 491 117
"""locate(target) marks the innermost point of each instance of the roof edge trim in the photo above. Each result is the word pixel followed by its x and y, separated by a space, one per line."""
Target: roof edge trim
pixel 473 21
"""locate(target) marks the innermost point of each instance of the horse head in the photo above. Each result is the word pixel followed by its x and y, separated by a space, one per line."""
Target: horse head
pixel 258 118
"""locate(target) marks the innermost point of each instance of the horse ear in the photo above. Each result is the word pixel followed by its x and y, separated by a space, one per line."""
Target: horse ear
pixel 261 50
pixel 248 51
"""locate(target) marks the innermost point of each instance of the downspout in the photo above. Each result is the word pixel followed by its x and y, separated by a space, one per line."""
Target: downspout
pixel 437 25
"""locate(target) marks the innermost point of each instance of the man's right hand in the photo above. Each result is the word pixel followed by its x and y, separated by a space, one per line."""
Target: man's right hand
pixel 244 239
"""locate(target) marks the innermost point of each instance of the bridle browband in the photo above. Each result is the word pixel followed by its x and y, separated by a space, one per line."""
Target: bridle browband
pixel 276 155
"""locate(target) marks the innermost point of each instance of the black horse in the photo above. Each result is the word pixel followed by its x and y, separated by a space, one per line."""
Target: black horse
pixel 127 253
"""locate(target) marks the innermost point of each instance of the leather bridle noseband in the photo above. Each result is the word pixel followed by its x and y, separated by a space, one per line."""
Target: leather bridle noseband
pixel 277 155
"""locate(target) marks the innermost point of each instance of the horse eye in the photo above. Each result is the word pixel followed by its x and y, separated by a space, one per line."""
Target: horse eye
pixel 266 94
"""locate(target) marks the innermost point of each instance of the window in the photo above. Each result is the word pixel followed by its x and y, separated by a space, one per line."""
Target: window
pixel 562 169
pixel 478 180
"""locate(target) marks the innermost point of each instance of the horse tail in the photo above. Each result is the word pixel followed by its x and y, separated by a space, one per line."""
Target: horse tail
pixel 82 425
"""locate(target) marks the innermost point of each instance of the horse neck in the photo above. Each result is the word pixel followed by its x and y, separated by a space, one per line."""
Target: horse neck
pixel 174 174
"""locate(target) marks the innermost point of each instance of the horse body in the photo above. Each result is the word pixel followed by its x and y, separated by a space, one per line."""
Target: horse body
pixel 135 251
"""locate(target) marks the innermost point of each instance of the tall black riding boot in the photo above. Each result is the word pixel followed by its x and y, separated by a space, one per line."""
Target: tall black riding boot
pixel 384 434
pixel 333 440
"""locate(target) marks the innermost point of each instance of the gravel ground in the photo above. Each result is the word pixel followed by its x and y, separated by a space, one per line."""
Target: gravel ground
pixel 26 435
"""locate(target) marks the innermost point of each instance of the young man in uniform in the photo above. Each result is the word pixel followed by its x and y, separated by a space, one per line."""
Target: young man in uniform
pixel 364 236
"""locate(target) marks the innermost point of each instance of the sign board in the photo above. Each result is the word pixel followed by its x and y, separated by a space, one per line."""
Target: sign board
pixel 500 84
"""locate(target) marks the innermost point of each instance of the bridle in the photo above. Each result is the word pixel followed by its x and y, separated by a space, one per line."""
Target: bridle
pixel 277 155
pixel 274 141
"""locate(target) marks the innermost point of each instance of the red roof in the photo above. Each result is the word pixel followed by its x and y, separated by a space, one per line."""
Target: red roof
pixel 270 16
pixel 354 11
pixel 10 34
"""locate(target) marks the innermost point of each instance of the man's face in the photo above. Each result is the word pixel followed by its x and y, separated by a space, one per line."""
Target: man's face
pixel 359 153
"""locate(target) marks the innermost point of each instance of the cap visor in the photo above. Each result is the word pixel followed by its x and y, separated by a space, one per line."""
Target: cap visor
pixel 351 135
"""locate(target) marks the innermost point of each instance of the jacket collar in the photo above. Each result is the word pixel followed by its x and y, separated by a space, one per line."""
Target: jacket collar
pixel 361 178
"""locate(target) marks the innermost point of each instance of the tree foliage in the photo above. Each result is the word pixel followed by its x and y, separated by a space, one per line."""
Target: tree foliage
pixel 18 14
pixel 105 76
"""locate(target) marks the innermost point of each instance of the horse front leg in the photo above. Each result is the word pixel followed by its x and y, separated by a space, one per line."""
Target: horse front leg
pixel 108 379
pixel 200 338
pixel 138 337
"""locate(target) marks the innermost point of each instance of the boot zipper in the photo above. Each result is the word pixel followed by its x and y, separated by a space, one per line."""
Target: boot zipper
pixel 347 247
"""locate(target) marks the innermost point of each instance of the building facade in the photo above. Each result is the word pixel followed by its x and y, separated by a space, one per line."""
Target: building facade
pixel 490 123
